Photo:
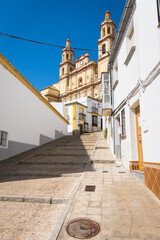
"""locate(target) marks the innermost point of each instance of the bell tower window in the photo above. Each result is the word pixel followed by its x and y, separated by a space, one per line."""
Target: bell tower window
pixel 67 56
pixel 103 32
pixel 108 30
pixel 103 49
pixel 62 71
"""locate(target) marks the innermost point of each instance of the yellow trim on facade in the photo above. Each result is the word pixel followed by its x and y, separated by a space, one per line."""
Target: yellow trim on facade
pixel 23 80
pixel 96 114
pixel 74 116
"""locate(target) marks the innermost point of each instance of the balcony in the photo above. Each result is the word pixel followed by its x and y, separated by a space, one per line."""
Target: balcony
pixel 82 116
pixel 95 110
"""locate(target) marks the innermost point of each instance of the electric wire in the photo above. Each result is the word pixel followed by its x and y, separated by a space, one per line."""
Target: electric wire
pixel 47 44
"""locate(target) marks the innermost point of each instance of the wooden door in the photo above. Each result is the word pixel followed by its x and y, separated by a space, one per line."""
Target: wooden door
pixel 80 128
pixel 139 139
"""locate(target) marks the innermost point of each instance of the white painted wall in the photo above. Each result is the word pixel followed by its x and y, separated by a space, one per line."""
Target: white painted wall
pixel 144 60
pixel 60 107
pixel 24 116
pixel 70 120
pixel 89 103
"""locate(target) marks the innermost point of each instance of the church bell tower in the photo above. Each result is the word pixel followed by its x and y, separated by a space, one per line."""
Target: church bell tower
pixel 66 67
pixel 105 43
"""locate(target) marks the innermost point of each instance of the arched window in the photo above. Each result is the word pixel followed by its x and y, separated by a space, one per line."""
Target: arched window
pixel 63 58
pixel 62 71
pixel 80 82
pixel 71 69
pixel 108 30
pixel 67 56
pixel 103 48
pixel 103 32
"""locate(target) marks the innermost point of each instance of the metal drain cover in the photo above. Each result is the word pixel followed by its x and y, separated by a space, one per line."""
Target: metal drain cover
pixel 83 228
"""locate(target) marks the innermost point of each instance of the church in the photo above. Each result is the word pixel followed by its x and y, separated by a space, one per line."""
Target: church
pixel 82 78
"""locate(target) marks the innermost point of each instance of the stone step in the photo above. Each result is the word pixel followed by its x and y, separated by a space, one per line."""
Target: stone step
pixel 102 161
pixel 101 147
pixel 33 199
pixel 64 154
pixel 139 174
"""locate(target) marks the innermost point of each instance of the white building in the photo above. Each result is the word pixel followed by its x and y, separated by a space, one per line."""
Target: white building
pixel 135 81
pixel 27 119
pixel 84 114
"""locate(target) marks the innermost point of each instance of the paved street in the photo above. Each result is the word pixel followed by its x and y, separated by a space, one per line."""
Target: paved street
pixel 37 192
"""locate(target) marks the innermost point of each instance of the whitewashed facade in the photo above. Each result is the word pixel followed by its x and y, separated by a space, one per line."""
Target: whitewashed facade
pixel 27 119
pixel 135 80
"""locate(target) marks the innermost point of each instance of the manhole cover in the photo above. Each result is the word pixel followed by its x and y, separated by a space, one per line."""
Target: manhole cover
pixel 83 228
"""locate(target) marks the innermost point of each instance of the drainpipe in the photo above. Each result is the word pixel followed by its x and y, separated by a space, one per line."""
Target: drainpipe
pixel 112 103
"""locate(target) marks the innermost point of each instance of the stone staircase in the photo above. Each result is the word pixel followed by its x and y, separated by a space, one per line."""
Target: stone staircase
pixel 102 152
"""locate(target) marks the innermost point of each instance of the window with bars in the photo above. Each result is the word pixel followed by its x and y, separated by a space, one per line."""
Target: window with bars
pixel 123 122
pixel 94 121
pixel 3 138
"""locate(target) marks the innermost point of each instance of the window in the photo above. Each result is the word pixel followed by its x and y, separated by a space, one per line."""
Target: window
pixel 62 71
pixel 67 56
pixel 80 82
pixel 158 10
pixel 108 30
pixel 94 121
pixel 67 82
pixel 81 62
pixel 103 49
pixel 115 75
pixel 71 69
pixel 3 138
pixel 123 122
pixel 130 44
pixel 103 32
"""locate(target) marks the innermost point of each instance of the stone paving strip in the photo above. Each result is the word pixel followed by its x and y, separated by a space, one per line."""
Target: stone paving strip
pixel 36 190
pixel 121 204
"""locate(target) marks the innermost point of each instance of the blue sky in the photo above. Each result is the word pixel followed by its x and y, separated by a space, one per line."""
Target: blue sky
pixel 51 21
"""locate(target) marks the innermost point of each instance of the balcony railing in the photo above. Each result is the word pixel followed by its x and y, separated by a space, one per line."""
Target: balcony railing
pixel 94 110
pixel 82 116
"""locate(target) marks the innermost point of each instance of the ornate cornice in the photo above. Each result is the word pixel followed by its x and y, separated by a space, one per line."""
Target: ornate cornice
pixel 105 38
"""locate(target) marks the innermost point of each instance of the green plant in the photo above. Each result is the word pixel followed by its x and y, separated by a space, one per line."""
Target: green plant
pixel 105 133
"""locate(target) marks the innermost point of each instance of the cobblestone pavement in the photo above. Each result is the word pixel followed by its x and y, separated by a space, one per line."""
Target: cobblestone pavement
pixel 35 189
pixel 122 205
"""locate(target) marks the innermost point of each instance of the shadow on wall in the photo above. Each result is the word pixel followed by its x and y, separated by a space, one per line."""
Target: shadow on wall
pixel 58 134
pixel 44 139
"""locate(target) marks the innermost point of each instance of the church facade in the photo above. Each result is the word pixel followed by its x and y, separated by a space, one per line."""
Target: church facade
pixel 83 77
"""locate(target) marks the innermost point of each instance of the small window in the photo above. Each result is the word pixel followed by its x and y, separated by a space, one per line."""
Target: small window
pixel 158 10
pixel 67 56
pixel 71 69
pixel 103 49
pixel 62 71
pixel 108 30
pixel 67 82
pixel 80 82
pixel 123 122
pixel 103 32
pixel 3 138
pixel 94 121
